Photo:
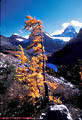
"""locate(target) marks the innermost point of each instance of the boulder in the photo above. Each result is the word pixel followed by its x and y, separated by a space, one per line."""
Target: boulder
pixel 57 112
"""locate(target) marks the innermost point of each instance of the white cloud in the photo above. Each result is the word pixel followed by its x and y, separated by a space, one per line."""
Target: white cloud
pixel 75 23
pixel 64 25
pixel 57 32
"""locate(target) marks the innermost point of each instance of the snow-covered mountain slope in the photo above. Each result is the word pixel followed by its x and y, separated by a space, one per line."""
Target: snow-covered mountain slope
pixel 51 43
pixel 66 39
pixel 5 44
pixel 58 37
pixel 17 39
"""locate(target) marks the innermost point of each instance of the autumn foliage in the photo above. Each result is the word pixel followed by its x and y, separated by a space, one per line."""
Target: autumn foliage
pixel 32 70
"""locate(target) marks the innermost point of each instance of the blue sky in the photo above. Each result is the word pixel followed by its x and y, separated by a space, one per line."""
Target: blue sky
pixel 53 13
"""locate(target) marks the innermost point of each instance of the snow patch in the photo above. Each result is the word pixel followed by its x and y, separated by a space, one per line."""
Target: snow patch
pixel 60 38
pixel 63 38
pixel 48 35
pixel 16 34
pixel 26 36
pixel 19 39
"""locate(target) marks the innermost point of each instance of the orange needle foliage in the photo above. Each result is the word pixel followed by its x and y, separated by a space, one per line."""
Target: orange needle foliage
pixel 81 73
pixel 33 74
pixel 29 17
pixel 56 100
pixel 21 55
pixel 53 85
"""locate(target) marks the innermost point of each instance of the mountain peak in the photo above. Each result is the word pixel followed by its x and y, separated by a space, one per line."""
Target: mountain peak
pixel 69 32
pixel 70 28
